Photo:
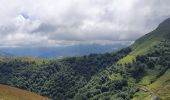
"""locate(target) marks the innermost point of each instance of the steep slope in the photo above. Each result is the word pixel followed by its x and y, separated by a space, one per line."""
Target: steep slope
pixel 143 72
pixel 11 93
pixel 156 47
pixel 144 44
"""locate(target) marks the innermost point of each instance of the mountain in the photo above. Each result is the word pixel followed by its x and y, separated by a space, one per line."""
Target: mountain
pixel 5 54
pixel 154 47
pixel 138 72
pixel 12 93
pixel 144 44
pixel 162 33
pixel 64 51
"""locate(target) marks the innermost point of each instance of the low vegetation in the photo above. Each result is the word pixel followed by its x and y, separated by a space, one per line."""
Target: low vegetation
pixel 11 93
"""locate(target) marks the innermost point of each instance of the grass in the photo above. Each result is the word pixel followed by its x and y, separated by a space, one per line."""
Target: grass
pixel 149 77
pixel 115 77
pixel 12 93
pixel 161 86
pixel 24 59
pixel 143 48
pixel 143 45
pixel 127 59
pixel 138 49
pixel 164 78
pixel 142 96
pixel 145 92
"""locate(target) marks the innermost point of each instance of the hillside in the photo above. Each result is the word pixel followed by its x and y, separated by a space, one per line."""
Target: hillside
pixel 138 72
pixel 56 79
pixel 154 46
pixel 146 43
pixel 157 79
pixel 11 93
pixel 143 72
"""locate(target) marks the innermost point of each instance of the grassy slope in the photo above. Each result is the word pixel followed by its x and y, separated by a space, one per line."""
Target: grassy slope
pixel 142 46
pixel 12 93
pixel 128 59
pixel 151 75
pixel 145 43
pixel 160 87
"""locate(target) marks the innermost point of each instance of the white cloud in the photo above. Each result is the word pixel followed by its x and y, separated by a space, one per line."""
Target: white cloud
pixel 68 22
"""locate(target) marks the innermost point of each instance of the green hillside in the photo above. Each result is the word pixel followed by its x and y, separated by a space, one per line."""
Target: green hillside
pixel 56 79
pixel 144 71
pixel 156 47
pixel 139 72
pixel 146 43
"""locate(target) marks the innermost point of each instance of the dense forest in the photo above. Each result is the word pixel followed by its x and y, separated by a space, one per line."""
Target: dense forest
pixel 57 79
pixel 138 72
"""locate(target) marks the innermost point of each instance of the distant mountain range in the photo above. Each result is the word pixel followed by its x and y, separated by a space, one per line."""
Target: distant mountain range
pixel 5 54
pixel 60 52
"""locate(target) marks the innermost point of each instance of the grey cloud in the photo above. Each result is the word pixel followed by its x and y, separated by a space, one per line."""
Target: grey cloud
pixel 70 22
pixel 7 29
pixel 45 28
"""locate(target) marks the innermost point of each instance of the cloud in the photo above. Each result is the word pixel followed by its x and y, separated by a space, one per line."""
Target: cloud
pixel 69 22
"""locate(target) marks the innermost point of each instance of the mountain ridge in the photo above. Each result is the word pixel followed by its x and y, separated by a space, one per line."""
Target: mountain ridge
pixel 63 51
pixel 145 43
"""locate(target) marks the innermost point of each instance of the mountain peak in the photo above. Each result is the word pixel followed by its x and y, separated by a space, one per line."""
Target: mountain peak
pixel 165 24
pixel 143 44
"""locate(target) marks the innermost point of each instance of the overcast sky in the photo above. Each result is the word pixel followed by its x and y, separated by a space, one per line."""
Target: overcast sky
pixel 69 22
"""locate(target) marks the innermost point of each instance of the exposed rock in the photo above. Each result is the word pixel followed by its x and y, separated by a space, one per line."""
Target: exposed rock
pixel 155 98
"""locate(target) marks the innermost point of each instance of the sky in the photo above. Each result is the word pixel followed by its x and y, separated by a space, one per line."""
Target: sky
pixel 39 23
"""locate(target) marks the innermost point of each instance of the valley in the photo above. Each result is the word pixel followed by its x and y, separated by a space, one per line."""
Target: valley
pixel 138 72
